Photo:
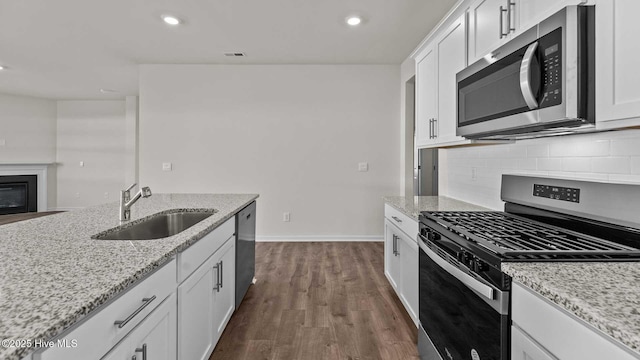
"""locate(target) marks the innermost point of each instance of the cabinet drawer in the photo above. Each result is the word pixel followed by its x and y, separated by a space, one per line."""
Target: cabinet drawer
pixel 196 254
pixel 402 221
pixel 94 337
pixel 560 333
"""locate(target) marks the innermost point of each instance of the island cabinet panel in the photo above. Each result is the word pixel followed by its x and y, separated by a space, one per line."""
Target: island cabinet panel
pixel 153 339
pixel 206 301
pixel 556 333
pixel 94 337
pixel 196 254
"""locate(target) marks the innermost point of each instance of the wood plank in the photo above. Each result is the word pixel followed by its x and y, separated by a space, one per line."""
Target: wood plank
pixel 319 301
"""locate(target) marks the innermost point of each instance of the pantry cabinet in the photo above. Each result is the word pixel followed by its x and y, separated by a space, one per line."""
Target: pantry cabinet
pixel 617 75
pixel 436 68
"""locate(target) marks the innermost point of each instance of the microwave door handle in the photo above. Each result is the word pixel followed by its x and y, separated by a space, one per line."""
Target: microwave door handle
pixel 525 78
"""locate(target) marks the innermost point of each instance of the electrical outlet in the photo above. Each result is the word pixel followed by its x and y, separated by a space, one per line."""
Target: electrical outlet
pixel 81 163
pixel 286 217
pixel 167 166
pixel 363 166
pixel 474 173
pixel 106 195
pixel 77 195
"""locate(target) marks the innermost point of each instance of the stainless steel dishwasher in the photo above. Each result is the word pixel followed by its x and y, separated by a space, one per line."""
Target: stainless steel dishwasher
pixel 245 250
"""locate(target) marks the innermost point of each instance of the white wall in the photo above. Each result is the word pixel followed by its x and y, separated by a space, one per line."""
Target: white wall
pixel 28 129
pixel 92 132
pixel 292 133
pixel 608 156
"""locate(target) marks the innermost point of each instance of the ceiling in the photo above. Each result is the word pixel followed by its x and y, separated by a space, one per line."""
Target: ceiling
pixel 70 49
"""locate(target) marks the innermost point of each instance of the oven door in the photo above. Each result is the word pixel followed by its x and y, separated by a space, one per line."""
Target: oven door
pixel 463 317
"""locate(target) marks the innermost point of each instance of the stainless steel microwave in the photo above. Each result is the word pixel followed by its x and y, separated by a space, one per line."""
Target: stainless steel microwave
pixel 540 83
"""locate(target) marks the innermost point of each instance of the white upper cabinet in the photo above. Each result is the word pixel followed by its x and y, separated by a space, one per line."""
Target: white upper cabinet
pixel 436 94
pixel 426 97
pixel 617 75
pixel 494 22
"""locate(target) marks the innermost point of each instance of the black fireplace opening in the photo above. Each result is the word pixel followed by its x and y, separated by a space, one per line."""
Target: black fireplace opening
pixel 18 194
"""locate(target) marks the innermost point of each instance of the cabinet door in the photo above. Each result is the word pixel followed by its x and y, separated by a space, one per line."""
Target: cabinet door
pixel 195 314
pixel 391 260
pixel 426 97
pixel 224 297
pixel 523 348
pixel 617 75
pixel 409 274
pixel 485 19
pixel 451 59
pixel 527 13
pixel 154 338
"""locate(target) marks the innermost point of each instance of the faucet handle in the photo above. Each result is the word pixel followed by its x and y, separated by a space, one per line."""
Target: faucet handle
pixel 131 187
pixel 146 191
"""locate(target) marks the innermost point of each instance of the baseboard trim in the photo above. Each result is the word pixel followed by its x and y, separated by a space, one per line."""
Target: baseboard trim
pixel 320 238
pixel 66 208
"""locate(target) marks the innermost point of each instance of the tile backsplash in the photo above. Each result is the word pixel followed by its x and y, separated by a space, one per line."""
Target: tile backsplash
pixel 474 173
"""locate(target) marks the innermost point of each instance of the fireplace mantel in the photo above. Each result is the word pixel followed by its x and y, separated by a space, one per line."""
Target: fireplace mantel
pixel 38 169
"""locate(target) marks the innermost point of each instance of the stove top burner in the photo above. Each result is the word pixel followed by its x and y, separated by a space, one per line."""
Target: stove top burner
pixel 516 238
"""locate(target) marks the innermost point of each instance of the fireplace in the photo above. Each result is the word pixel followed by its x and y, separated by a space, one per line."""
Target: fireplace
pixel 18 194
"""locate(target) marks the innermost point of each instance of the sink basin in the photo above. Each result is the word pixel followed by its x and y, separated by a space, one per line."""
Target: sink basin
pixel 157 226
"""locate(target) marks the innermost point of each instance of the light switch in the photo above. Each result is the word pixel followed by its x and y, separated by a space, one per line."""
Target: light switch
pixel 81 163
pixel 363 166
pixel 166 166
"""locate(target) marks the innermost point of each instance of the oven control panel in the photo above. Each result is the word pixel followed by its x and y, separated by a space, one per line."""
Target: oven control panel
pixel 557 192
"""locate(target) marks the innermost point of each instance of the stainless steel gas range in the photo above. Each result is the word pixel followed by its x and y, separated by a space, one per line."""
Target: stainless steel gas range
pixel 464 304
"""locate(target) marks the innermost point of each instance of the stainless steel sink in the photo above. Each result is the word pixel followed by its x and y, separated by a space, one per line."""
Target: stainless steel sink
pixel 157 226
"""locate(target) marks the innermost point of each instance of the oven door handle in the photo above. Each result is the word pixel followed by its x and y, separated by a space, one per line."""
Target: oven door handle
pixel 475 285
pixel 525 77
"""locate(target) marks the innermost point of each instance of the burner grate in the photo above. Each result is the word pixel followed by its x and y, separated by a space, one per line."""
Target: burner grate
pixel 515 237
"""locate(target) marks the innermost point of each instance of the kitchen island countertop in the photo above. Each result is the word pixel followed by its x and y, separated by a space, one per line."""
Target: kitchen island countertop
pixel 54 274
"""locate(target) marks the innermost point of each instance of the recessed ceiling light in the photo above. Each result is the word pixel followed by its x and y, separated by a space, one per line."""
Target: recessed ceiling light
pixel 354 20
pixel 108 91
pixel 171 20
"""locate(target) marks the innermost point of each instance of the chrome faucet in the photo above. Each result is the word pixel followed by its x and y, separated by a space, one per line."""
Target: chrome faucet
pixel 126 201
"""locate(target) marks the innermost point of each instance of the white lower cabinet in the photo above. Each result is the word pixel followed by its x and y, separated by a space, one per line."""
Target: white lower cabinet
pixel 544 331
pixel 153 339
pixel 206 303
pixel 401 260
pixel 524 348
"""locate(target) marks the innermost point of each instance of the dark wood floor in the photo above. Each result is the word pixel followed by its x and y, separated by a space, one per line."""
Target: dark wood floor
pixel 7 219
pixel 326 300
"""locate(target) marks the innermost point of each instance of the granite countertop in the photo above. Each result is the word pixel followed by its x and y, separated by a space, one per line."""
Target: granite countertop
pixel 604 294
pixel 54 274
pixel 411 206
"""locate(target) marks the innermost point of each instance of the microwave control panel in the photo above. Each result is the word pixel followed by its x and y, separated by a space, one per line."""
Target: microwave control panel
pixel 551 68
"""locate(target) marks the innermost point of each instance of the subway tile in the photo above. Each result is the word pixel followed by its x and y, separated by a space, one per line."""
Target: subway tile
pixel 578 147
pixel 610 165
pixel 550 164
pixel 576 164
pixel 625 178
pixel 538 151
pixel 527 164
pixel 622 147
pixel 502 163
pixel 635 164
pixel 517 151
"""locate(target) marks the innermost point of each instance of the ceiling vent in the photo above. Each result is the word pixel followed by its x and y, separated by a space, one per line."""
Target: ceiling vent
pixel 235 54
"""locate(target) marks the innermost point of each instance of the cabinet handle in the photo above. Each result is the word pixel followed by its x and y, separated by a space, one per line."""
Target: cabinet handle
pixel 221 278
pixel 133 357
pixel 145 303
pixel 217 267
pixel 430 128
pixel 143 350
pixel 396 219
pixel 509 13
pixel 393 245
pixel 435 128
pixel 502 11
